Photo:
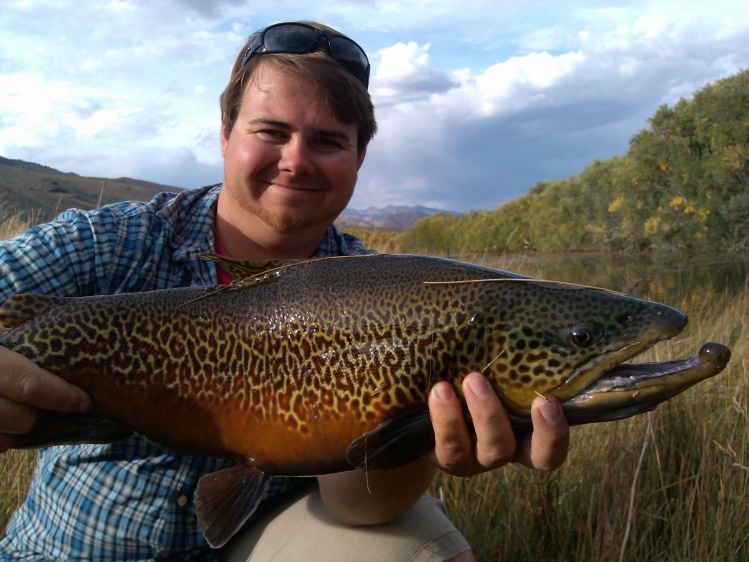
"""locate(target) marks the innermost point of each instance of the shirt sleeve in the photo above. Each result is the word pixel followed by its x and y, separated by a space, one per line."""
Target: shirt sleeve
pixel 57 258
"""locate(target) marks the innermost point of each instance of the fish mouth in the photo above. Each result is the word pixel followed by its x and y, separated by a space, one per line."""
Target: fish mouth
pixel 671 322
pixel 632 388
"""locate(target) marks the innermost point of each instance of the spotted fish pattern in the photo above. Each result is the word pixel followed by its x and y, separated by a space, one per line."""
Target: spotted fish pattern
pixel 318 366
pixel 325 350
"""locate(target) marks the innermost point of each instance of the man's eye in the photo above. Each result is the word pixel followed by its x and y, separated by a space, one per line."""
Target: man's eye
pixel 329 143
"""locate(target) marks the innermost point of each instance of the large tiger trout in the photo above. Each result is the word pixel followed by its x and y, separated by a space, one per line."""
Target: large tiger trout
pixel 325 365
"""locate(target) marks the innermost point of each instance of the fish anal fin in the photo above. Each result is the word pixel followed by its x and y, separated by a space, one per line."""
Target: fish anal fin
pixel 397 441
pixel 53 428
pixel 25 306
pixel 224 500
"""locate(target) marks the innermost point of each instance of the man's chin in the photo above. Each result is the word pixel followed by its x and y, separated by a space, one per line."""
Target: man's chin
pixel 288 222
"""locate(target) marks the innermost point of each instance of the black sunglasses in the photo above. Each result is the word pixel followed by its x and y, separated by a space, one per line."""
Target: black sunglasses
pixel 300 38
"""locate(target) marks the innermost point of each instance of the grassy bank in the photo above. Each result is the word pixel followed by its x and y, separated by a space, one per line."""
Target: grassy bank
pixel 669 485
pixel 16 468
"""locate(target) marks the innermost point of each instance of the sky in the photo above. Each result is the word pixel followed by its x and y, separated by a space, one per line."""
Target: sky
pixel 476 100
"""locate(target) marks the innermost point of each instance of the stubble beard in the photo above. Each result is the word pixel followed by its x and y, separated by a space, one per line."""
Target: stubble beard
pixel 282 222
pixel 286 222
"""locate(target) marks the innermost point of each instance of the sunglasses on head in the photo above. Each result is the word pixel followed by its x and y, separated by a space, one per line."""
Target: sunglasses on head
pixel 300 38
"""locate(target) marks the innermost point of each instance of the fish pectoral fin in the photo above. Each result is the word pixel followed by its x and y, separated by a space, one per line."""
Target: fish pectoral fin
pixel 398 441
pixel 224 500
pixel 53 428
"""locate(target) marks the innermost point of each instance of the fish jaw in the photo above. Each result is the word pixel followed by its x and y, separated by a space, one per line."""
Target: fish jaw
pixel 563 366
pixel 589 373
pixel 627 390
pixel 667 322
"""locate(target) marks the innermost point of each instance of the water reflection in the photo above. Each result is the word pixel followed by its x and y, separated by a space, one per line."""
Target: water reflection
pixel 672 279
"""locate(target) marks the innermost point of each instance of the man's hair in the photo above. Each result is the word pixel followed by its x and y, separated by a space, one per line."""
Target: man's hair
pixel 348 98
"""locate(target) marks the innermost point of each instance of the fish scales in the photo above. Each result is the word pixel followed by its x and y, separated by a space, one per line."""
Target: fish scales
pixel 325 365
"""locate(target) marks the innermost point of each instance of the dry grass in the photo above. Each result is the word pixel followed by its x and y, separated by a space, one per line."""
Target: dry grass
pixel 13 221
pixel 16 468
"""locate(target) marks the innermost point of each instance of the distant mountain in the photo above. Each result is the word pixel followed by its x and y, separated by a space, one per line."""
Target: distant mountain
pixel 390 217
pixel 45 191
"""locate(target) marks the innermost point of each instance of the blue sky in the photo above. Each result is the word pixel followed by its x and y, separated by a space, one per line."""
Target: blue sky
pixel 476 100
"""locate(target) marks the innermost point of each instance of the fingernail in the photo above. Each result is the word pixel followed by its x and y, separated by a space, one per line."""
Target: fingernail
pixel 84 406
pixel 444 393
pixel 479 386
pixel 550 411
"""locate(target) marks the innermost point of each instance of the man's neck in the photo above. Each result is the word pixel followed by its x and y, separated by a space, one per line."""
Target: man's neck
pixel 265 243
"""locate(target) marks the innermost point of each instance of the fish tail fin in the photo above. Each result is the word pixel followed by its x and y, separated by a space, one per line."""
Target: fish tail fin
pixel 224 500
pixel 25 306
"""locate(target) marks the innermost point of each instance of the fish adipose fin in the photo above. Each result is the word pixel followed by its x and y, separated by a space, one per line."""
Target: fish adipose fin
pixel 71 429
pixel 398 441
pixel 224 500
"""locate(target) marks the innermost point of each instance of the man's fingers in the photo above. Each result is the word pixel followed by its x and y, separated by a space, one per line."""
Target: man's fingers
pixel 458 451
pixel 453 451
pixel 16 418
pixel 546 448
pixel 22 382
pixel 495 440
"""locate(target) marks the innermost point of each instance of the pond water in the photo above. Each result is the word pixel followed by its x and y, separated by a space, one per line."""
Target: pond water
pixel 669 278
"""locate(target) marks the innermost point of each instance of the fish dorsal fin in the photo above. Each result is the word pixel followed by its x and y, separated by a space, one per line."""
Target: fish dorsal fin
pixel 224 500
pixel 242 269
pixel 397 441
pixel 25 306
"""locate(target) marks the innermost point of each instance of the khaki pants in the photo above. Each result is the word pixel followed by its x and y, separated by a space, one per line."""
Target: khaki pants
pixel 299 528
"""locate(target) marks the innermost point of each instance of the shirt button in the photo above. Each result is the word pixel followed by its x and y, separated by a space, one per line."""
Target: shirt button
pixel 182 501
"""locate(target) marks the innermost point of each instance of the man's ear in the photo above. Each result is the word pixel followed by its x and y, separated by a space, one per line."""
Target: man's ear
pixel 225 137
pixel 360 158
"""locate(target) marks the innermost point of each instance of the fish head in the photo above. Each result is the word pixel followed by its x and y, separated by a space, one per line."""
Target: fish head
pixel 556 338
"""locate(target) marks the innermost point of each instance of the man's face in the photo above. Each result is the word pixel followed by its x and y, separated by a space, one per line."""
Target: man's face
pixel 289 165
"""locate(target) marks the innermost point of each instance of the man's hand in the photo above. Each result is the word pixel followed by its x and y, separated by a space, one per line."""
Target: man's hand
pixel 457 452
pixel 25 389
pixel 361 498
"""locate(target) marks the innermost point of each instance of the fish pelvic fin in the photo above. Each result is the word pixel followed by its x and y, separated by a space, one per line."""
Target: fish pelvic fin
pixel 53 428
pixel 397 441
pixel 25 306
pixel 224 500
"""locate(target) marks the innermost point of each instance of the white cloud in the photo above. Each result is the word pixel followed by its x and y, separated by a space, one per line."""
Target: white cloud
pixel 542 115
pixel 477 101
pixel 406 73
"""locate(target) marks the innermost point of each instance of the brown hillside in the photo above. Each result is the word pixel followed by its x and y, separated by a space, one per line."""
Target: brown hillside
pixel 45 192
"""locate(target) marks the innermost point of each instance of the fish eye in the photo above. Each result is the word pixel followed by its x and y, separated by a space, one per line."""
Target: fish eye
pixel 581 336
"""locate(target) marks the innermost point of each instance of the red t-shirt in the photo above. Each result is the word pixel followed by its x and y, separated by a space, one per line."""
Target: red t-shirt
pixel 222 276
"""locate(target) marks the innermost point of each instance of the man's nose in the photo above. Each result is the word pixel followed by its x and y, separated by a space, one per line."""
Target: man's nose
pixel 296 157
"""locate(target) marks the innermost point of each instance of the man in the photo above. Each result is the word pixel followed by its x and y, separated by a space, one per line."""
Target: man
pixel 296 121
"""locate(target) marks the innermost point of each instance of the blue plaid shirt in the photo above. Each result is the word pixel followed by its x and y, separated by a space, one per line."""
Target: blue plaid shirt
pixel 127 500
